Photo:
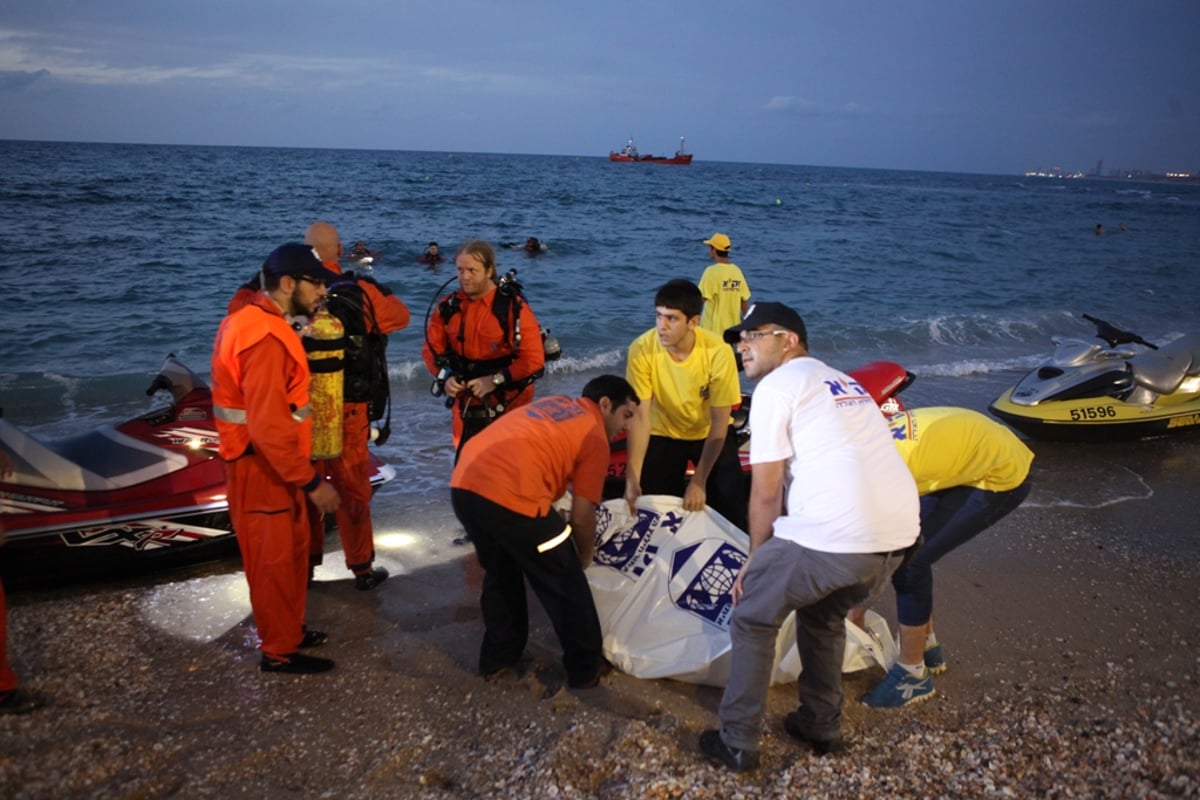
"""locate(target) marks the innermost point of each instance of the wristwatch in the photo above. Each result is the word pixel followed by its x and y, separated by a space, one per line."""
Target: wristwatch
pixel 498 379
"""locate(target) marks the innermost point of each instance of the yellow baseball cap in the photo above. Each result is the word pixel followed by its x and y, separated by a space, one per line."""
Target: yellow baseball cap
pixel 719 241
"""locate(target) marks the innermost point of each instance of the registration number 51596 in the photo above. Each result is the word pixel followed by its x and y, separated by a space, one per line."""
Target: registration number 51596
pixel 1093 412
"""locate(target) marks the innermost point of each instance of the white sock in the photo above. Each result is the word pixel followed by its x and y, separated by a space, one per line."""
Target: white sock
pixel 931 640
pixel 916 670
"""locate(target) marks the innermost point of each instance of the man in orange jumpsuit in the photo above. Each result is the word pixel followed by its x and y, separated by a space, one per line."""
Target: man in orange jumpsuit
pixel 260 400
pixel 502 489
pixel 489 366
pixel 368 312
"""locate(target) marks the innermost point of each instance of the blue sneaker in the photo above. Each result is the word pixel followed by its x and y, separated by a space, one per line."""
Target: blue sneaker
pixel 899 688
pixel 935 660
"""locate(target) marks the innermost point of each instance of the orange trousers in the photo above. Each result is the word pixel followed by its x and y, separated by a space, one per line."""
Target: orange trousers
pixel 350 474
pixel 270 519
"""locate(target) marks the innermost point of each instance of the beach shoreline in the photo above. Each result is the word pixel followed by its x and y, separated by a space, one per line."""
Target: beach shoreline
pixel 1069 630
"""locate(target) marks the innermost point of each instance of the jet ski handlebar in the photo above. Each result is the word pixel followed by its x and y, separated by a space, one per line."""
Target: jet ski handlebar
pixel 1115 336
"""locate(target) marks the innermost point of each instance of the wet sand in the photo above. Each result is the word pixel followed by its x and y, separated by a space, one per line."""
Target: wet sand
pixel 1070 630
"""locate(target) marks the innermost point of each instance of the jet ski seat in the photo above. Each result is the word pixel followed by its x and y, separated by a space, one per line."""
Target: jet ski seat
pixel 1162 370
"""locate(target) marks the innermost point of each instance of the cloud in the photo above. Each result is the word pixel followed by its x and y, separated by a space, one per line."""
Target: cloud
pixel 18 80
pixel 789 104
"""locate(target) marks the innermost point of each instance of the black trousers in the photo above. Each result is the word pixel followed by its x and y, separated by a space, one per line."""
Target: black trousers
pixel 507 545
pixel 664 471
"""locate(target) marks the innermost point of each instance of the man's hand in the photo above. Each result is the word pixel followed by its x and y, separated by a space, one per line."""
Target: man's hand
pixel 453 386
pixel 738 590
pixel 325 498
pixel 633 490
pixel 694 496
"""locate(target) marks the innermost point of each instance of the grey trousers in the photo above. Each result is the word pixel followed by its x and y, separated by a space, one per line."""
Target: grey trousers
pixel 821 588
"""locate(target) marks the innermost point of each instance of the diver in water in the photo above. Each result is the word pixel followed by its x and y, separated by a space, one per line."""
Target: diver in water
pixel 432 255
pixel 533 246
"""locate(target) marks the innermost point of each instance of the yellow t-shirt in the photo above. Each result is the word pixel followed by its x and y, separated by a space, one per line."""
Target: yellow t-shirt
pixel 946 447
pixel 683 391
pixel 724 289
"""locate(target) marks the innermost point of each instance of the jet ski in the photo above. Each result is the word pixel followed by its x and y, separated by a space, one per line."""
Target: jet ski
pixel 883 380
pixel 1119 387
pixel 147 493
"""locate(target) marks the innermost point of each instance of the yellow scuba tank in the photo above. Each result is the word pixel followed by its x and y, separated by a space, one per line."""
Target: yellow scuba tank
pixel 325 344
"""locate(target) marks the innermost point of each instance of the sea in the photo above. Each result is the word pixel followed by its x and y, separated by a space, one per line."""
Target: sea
pixel 114 256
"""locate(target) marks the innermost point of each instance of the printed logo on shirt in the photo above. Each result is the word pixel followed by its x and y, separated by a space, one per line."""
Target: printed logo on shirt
pixel 555 408
pixel 848 392
pixel 702 577
pixel 902 427
pixel 629 550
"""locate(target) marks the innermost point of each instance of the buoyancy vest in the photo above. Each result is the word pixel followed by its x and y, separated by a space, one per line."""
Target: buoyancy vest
pixel 366 377
pixel 238 332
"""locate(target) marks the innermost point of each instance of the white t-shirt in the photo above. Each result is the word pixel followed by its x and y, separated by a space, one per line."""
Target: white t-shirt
pixel 849 490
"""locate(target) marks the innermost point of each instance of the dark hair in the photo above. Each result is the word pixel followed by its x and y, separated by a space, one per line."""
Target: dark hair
pixel 614 387
pixel 682 295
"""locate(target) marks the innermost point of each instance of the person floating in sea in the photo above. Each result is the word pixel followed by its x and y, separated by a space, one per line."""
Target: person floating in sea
pixel 360 252
pixel 533 246
pixel 1099 230
pixel 432 256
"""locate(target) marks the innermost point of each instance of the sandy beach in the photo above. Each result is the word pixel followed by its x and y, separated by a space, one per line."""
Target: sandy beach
pixel 1070 630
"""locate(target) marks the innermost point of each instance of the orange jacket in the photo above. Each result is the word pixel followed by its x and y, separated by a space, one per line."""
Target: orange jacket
pixel 254 348
pixel 525 460
pixel 474 334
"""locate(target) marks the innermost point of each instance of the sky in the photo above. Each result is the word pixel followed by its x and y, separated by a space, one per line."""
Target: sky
pixel 981 86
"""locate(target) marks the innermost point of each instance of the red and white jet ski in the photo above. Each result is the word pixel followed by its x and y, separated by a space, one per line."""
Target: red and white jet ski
pixel 146 493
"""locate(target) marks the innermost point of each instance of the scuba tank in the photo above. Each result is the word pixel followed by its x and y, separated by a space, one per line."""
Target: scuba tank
pixel 325 344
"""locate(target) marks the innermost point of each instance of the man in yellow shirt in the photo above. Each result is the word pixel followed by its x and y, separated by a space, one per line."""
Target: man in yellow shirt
pixel 970 471
pixel 726 294
pixel 687 380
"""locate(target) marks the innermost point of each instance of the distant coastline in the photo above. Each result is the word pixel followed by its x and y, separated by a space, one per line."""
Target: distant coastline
pixel 1129 176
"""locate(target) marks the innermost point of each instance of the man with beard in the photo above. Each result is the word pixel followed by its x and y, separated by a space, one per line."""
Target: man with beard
pixel 260 401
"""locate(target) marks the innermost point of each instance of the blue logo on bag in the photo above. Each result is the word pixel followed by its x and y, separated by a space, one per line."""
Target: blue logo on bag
pixel 629 550
pixel 702 577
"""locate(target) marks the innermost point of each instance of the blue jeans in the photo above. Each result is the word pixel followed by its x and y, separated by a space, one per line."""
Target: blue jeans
pixel 949 518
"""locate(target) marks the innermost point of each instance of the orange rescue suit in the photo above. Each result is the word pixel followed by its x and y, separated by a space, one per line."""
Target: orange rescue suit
pixel 260 399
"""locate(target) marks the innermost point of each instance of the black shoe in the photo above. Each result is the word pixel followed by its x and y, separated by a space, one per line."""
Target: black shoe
pixel 296 664
pixel 593 681
pixel 713 746
pixel 365 581
pixel 791 724
pixel 314 638
pixel 19 701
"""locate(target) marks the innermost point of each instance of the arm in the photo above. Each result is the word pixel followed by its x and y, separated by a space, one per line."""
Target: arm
pixel 766 504
pixel 266 368
pixel 531 357
pixel 583 528
pixel 637 439
pixel 390 312
pixel 696 494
